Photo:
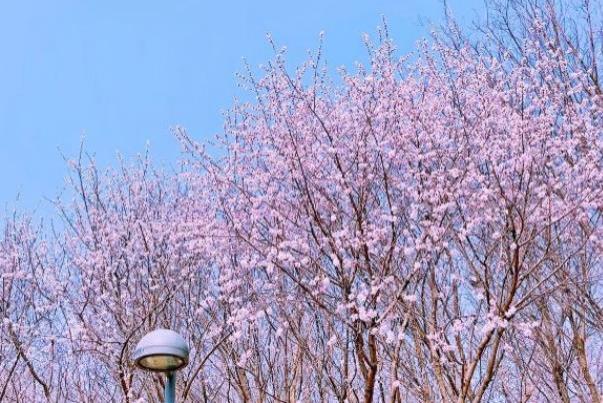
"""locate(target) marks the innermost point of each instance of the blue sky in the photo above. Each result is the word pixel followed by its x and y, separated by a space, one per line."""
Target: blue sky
pixel 122 73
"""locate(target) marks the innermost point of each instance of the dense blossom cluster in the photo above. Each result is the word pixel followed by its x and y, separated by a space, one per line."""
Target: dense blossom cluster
pixel 426 230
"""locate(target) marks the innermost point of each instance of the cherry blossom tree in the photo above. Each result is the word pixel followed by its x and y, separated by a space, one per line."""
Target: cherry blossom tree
pixel 30 352
pixel 135 260
pixel 436 222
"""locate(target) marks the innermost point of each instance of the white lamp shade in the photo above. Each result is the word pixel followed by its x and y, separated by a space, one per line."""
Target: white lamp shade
pixel 161 350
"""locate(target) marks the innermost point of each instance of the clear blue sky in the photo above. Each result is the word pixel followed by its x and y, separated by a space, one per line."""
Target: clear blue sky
pixel 122 73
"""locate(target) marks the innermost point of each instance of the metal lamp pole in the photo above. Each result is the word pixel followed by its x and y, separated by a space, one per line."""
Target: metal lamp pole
pixel 170 387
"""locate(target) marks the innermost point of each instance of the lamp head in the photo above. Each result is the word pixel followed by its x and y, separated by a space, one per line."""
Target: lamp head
pixel 161 350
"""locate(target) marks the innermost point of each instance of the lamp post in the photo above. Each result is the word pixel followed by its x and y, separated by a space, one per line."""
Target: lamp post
pixel 162 350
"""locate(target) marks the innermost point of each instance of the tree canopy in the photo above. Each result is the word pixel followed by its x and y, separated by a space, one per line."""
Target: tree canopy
pixel 424 229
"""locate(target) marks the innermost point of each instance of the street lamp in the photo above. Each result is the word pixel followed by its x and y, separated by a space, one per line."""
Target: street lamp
pixel 162 350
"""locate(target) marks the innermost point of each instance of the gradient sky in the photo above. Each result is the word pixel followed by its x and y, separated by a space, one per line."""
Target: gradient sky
pixel 122 73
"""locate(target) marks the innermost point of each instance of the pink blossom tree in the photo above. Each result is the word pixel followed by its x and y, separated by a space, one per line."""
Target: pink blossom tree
pixel 426 231
pixel 135 259
pixel 31 354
